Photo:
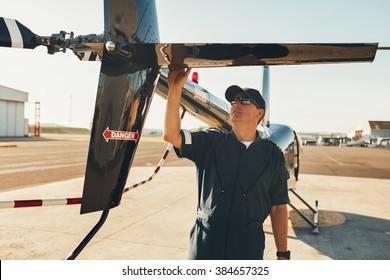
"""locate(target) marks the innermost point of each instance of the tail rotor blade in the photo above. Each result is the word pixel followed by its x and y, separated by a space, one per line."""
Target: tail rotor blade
pixel 13 34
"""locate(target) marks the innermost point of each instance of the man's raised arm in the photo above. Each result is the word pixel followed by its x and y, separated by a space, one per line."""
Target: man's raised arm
pixel 176 80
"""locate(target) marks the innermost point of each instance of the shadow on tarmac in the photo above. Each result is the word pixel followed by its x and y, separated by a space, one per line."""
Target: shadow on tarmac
pixel 346 236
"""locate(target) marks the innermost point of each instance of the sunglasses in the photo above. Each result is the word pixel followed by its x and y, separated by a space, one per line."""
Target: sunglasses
pixel 244 101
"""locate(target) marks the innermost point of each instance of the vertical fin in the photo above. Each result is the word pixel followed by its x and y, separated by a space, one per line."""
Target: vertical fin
pixel 125 92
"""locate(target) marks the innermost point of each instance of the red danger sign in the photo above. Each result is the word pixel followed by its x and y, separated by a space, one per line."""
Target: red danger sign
pixel 120 135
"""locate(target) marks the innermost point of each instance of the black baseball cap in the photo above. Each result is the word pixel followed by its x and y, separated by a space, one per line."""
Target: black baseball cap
pixel 251 93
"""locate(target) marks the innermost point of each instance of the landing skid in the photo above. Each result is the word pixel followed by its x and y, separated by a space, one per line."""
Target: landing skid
pixel 314 223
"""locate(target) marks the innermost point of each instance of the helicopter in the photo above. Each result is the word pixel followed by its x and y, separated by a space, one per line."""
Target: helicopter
pixel 133 69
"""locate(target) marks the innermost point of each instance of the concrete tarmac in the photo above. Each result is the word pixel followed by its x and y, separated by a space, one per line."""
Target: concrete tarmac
pixel 154 220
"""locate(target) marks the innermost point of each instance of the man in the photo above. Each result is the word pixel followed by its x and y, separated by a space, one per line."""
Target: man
pixel 241 178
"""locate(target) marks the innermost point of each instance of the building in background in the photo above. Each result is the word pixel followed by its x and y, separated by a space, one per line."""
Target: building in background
pixel 12 120
pixel 380 128
pixel 371 134
pixel 374 134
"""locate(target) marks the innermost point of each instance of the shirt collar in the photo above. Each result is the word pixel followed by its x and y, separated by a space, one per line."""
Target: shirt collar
pixel 258 138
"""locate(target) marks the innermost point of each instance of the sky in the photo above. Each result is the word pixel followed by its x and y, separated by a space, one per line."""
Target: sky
pixel 315 98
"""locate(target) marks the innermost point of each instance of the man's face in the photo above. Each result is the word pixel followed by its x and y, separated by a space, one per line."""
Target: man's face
pixel 247 113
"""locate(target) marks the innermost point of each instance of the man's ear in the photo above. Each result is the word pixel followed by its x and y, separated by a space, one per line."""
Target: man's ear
pixel 261 112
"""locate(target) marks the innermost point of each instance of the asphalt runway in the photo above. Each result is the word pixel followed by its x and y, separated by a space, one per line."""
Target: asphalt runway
pixel 52 158
pixel 27 162
pixel 346 161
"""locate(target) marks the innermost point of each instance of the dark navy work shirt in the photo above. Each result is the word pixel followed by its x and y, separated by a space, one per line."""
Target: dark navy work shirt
pixel 236 188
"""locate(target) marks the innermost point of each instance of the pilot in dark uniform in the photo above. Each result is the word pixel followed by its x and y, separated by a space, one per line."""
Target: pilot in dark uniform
pixel 241 178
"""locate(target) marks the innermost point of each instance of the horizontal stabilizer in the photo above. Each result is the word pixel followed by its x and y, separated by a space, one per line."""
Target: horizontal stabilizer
pixel 13 34
pixel 217 55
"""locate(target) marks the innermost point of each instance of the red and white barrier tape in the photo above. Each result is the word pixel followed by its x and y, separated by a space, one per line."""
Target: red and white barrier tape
pixel 158 167
pixel 74 201
pixel 39 202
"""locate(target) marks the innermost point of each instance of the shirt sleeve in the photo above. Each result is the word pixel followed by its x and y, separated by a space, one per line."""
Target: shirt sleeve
pixel 193 146
pixel 279 187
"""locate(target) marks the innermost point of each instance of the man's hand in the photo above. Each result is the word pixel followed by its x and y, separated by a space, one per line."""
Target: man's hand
pixel 177 77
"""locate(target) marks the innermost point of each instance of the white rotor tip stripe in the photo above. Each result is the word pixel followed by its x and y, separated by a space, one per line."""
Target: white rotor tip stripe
pixel 14 31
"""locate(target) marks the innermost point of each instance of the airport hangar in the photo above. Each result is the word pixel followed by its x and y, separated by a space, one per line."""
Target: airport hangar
pixel 12 120
pixel 380 128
